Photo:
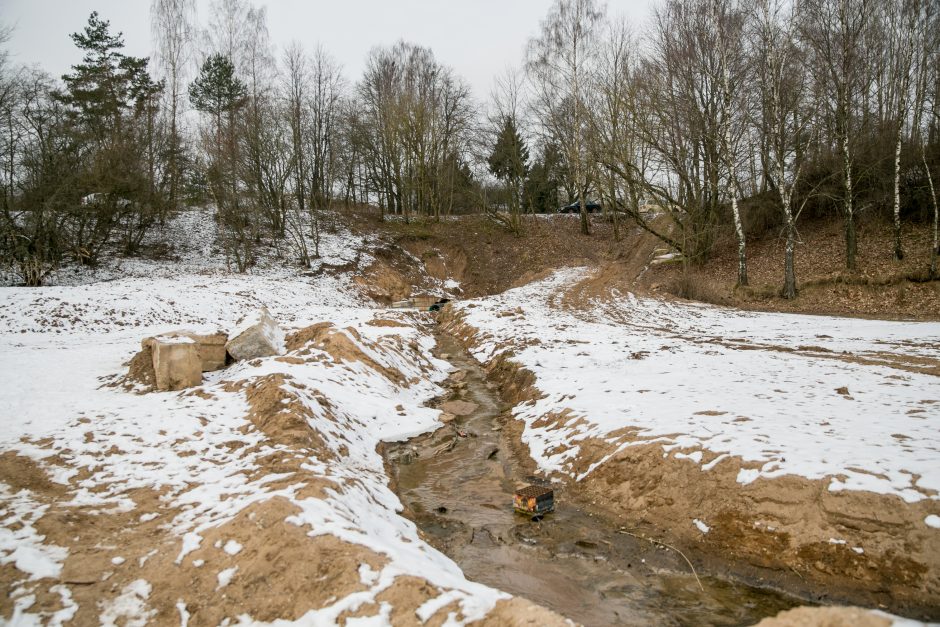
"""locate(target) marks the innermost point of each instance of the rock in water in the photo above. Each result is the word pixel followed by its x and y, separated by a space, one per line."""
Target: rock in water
pixel 459 408
pixel 257 335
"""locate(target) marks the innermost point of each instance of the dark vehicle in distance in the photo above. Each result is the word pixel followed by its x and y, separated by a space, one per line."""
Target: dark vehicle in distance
pixel 575 207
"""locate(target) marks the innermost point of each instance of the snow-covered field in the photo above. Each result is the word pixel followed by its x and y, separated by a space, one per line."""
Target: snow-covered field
pixel 821 398
pixel 789 395
pixel 59 345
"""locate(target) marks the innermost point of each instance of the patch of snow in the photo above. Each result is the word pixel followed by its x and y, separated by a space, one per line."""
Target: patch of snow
pixel 130 605
pixel 184 613
pixel 225 576
pixel 232 547
pixel 932 521
pixel 366 575
pixel 20 543
pixel 701 526
pixel 118 560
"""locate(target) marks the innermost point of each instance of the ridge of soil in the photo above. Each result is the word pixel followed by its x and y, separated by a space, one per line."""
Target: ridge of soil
pixel 283 570
pixel 773 532
pixel 488 259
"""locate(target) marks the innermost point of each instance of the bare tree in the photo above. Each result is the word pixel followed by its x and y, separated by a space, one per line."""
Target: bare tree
pixel 727 22
pixel 835 31
pixel 784 115
pixel 172 22
pixel 559 62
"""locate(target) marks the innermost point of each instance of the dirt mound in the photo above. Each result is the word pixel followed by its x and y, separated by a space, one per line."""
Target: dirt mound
pixel 517 612
pixel 281 415
pixel 384 284
pixel 825 617
pixel 282 572
pixel 380 322
pixel 259 563
pixel 342 345
pixel 300 338
pixel 140 373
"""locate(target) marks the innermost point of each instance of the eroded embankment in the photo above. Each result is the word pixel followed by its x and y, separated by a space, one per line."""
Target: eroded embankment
pixel 457 485
pixel 790 533
pixel 256 496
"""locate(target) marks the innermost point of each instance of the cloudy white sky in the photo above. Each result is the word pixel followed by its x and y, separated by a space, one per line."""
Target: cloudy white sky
pixel 478 38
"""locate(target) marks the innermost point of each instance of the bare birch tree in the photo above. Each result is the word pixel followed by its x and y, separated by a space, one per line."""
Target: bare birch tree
pixel 559 61
pixel 172 22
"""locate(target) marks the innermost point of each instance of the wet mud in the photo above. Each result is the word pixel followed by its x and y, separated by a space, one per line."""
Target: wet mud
pixel 457 485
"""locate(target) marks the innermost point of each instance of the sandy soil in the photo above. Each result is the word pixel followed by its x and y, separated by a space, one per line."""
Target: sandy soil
pixel 777 530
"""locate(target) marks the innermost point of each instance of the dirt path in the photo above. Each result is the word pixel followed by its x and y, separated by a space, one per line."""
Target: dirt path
pixel 459 491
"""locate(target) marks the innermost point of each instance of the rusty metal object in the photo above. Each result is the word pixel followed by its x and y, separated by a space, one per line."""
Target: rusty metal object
pixel 533 500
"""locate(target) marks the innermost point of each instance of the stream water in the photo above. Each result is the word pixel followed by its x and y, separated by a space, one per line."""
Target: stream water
pixel 458 490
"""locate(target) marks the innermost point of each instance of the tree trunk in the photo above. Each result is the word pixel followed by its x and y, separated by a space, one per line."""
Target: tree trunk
pixel 935 251
pixel 898 251
pixel 742 250
pixel 851 244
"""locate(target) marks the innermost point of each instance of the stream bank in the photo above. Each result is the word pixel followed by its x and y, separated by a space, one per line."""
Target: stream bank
pixel 457 485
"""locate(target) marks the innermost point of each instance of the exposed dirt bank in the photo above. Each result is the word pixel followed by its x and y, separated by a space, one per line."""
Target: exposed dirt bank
pixel 457 485
pixel 794 534
pixel 482 256
pixel 882 287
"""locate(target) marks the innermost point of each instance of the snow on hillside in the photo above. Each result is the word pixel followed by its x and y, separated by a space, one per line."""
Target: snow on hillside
pixel 60 344
pixel 802 395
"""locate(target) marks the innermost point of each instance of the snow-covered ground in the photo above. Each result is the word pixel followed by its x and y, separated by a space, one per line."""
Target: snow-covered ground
pixel 60 344
pixel 789 395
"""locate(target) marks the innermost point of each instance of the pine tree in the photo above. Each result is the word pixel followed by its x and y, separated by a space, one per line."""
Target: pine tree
pixel 107 83
pixel 509 163
pixel 218 92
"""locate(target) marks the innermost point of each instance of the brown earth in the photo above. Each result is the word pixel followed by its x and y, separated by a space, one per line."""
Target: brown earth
pixel 773 531
pixel 488 259
pixel 483 256
pixel 282 571
pixel 881 288
pixel 826 617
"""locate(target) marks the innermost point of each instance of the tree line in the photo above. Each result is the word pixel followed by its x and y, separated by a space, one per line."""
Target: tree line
pixel 720 113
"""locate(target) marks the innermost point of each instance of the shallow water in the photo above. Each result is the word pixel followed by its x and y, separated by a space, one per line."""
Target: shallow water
pixel 459 492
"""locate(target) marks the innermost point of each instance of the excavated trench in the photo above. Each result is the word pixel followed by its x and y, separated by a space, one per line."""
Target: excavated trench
pixel 457 485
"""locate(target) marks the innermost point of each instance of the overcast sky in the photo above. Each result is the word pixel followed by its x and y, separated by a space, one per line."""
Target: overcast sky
pixel 478 38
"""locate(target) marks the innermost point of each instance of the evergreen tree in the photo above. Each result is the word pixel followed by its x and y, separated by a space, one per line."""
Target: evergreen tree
pixel 111 105
pixel 217 91
pixel 107 83
pixel 509 163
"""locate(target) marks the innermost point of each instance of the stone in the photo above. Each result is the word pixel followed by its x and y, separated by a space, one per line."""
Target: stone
pixel 446 418
pixel 257 335
pixel 176 363
pixel 459 408
pixel 209 346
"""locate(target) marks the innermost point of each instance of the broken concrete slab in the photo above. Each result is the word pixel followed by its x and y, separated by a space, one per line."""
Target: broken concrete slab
pixel 459 408
pixel 257 335
pixel 209 346
pixel 211 349
pixel 176 362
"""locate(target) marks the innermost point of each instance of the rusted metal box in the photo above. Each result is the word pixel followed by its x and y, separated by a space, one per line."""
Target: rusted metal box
pixel 534 500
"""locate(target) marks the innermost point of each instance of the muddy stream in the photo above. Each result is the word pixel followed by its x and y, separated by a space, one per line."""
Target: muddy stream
pixel 458 490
